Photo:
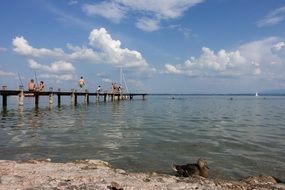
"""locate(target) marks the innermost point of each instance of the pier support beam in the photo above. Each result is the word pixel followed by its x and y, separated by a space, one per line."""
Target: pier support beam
pixel 4 97
pixel 58 99
pixel 72 97
pixel 75 99
pixel 97 97
pixel 36 99
pixel 4 101
pixel 50 96
pixel 86 97
pixel 21 96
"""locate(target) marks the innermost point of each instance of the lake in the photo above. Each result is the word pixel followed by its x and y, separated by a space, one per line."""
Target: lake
pixel 238 135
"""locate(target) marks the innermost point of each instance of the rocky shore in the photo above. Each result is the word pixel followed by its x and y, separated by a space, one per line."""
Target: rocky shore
pixel 97 174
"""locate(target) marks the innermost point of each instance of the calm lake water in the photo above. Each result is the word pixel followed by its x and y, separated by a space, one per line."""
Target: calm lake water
pixel 239 137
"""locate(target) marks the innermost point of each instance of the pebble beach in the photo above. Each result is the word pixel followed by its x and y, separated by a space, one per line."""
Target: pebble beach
pixel 97 174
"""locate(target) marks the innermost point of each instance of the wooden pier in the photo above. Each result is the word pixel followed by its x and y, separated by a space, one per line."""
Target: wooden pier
pixel 73 95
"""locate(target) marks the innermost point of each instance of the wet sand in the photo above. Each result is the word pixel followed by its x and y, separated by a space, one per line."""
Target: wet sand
pixel 97 174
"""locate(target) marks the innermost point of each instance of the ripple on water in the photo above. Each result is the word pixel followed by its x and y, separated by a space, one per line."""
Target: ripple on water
pixel 238 137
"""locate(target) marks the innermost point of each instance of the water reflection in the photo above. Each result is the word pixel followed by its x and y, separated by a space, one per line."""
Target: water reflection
pixel 244 133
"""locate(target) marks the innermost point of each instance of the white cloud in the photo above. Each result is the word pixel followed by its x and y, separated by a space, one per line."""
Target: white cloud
pixel 269 54
pixel 171 69
pixel 211 64
pixel 112 52
pixel 148 24
pixel 279 49
pixel 72 2
pixel 273 18
pixel 149 12
pixel 260 51
pixel 103 49
pixel 263 58
pixel 58 71
pixel 56 67
pixel 79 53
pixel 108 10
pixel 167 9
pixel 58 78
pixel 22 46
pixel 107 80
pixel 6 74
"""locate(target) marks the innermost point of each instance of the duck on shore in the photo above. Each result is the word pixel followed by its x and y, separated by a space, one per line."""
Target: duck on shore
pixel 200 168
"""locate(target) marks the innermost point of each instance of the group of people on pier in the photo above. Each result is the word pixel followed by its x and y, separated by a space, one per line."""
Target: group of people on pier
pixel 115 88
pixel 32 86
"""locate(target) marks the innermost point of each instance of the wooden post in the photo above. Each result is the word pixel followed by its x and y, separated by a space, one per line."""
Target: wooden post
pixel 36 99
pixel 21 96
pixel 51 98
pixel 4 100
pixel 97 96
pixel 86 97
pixel 58 98
pixel 4 97
pixel 105 97
pixel 51 95
pixel 72 96
pixel 75 98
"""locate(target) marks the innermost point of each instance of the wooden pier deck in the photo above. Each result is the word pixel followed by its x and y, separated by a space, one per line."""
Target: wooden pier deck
pixel 73 95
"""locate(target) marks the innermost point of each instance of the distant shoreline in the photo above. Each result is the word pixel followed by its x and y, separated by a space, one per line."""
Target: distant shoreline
pixel 212 94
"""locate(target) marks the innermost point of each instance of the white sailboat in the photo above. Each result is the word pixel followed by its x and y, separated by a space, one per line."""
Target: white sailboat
pixel 256 94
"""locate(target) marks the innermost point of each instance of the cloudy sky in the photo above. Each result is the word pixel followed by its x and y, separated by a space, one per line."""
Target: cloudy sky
pixel 163 46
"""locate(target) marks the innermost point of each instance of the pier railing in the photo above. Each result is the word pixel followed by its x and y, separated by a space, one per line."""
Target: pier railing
pixel 73 95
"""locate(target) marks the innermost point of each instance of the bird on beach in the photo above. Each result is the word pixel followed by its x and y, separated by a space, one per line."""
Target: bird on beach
pixel 200 168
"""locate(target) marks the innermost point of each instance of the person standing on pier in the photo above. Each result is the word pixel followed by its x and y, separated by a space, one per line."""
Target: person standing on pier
pixel 81 83
pixel 99 89
pixel 31 85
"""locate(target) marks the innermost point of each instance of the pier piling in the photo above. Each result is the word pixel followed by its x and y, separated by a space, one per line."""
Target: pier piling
pixel 58 99
pixel 21 96
pixel 36 99
pixel 4 97
pixel 75 98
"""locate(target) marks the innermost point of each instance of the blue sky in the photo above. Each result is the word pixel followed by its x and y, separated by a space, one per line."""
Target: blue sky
pixel 163 46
